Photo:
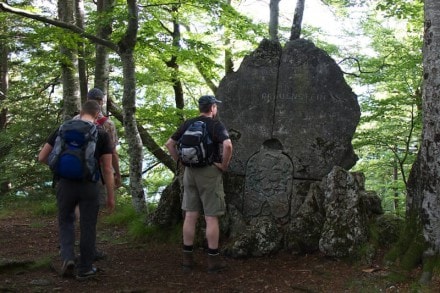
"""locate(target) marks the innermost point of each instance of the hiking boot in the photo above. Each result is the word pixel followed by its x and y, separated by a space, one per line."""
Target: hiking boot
pixel 215 263
pixel 68 269
pixel 100 255
pixel 87 275
pixel 188 260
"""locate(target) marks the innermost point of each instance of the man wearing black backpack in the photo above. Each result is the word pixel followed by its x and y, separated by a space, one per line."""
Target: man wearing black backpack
pixel 82 192
pixel 95 94
pixel 203 180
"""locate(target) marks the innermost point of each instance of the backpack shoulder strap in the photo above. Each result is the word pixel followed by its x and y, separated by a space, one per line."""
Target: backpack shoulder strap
pixel 101 120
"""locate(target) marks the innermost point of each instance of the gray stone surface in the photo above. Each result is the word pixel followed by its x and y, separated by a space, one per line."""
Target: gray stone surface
pixel 346 223
pixel 304 231
pixel 268 187
pixel 296 96
pixel 261 237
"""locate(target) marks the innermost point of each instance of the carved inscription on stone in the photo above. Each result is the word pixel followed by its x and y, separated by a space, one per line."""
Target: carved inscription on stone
pixel 269 175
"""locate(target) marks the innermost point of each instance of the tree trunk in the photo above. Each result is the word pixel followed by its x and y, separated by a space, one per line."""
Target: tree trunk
pixel 69 64
pixel 82 65
pixel 229 64
pixel 5 184
pixel 273 21
pixel 423 200
pixel 102 64
pixel 295 32
pixel 172 63
pixel 135 151
pixel 4 83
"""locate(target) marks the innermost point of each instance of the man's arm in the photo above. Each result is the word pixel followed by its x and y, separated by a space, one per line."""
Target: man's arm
pixel 107 172
pixel 226 156
pixel 171 146
pixel 110 128
pixel 44 153
pixel 117 172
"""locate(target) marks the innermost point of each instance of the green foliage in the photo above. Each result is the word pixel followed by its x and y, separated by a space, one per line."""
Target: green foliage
pixel 47 208
pixel 160 234
pixel 431 264
pixel 123 215
pixel 408 251
pixel 39 206
pixel 402 9
pixel 138 230
pixel 388 135
pixel 45 262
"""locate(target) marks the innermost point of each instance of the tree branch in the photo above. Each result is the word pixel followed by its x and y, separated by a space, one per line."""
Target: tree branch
pixel 73 28
pixel 358 63
pixel 147 140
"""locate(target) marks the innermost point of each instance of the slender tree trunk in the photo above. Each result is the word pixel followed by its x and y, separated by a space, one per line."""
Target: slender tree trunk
pixel 273 21
pixel 295 32
pixel 135 149
pixel 102 64
pixel 82 65
pixel 69 64
pixel 4 83
pixel 395 179
pixel 5 185
pixel 172 63
pixel 229 64
pixel 133 138
pixel 423 201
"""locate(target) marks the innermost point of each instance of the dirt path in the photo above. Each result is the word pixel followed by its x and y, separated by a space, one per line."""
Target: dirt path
pixel 141 267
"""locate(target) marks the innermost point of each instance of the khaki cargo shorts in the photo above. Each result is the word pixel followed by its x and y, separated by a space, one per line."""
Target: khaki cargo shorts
pixel 203 190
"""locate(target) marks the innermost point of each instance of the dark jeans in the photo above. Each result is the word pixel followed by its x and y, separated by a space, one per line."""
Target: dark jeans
pixel 85 194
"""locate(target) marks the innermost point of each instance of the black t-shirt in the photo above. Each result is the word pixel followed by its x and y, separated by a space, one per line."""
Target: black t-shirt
pixel 103 145
pixel 217 132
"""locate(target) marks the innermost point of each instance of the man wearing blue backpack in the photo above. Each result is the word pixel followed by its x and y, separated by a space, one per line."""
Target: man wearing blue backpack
pixel 203 145
pixel 79 153
pixel 95 94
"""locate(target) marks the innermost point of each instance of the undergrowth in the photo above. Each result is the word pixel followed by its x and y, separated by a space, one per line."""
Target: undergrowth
pixel 137 225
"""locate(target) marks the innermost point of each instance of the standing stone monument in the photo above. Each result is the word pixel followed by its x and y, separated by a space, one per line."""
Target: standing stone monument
pixel 296 95
pixel 291 117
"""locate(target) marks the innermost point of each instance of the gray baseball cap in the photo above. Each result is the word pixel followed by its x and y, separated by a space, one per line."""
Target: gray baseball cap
pixel 95 94
pixel 208 100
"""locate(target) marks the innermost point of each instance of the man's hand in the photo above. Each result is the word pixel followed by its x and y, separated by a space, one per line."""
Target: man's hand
pixel 118 181
pixel 111 204
pixel 221 167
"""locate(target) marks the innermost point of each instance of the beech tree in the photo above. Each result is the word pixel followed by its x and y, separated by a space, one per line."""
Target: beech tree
pixel 4 87
pixel 69 63
pixel 104 30
pixel 421 239
pixel 82 64
pixel 274 9
pixel 295 32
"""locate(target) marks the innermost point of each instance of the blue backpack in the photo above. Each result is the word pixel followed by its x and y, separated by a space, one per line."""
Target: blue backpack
pixel 195 146
pixel 73 154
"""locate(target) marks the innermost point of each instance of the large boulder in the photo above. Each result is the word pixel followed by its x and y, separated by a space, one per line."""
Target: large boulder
pixel 297 97
pixel 346 221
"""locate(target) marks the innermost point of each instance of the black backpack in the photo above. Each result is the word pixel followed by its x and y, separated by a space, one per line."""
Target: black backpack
pixel 73 154
pixel 195 146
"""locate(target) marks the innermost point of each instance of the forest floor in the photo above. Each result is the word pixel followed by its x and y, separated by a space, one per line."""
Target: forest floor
pixel 29 262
